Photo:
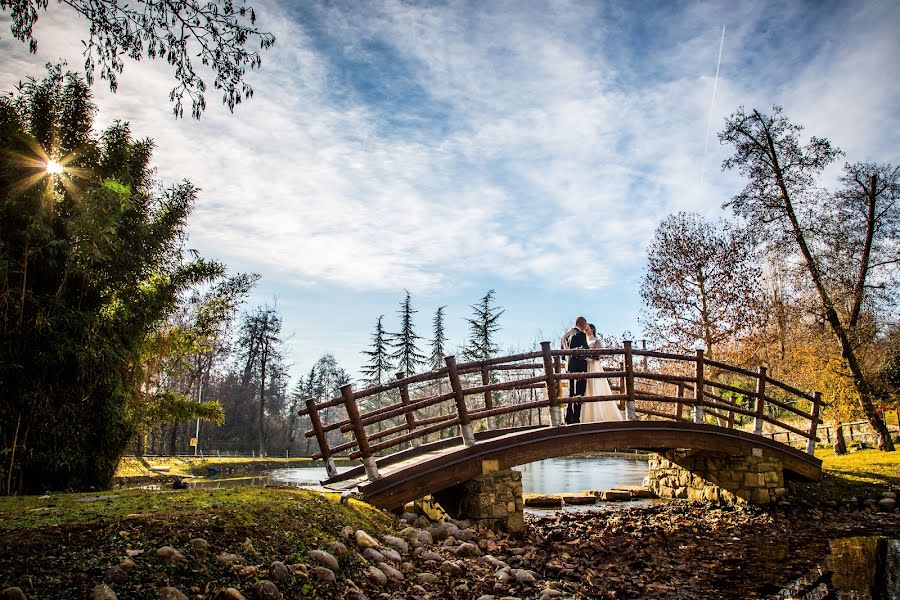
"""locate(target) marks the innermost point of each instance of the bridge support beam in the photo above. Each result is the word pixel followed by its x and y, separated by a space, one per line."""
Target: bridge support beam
pixel 717 476
pixel 494 499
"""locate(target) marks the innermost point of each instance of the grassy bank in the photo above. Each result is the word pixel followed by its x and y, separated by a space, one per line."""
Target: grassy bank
pixel 864 473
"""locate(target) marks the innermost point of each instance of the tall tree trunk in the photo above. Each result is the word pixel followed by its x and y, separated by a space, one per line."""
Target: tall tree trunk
pixel 262 391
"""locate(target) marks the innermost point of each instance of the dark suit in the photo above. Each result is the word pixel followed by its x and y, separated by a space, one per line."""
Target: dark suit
pixel 576 364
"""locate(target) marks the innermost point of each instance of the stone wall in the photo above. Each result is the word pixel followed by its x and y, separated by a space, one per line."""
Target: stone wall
pixel 494 498
pixel 717 476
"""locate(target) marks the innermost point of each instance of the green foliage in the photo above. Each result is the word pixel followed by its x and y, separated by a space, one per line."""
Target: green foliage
pixel 92 264
pixel 483 327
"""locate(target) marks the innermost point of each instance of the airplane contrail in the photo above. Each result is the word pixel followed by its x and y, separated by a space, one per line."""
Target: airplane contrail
pixel 711 104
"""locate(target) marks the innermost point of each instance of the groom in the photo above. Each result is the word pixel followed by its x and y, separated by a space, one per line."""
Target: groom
pixel 577 338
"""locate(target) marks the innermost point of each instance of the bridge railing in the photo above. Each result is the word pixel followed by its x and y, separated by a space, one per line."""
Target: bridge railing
pixel 647 384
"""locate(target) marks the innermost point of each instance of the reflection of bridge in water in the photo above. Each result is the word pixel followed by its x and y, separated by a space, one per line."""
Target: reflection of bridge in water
pixel 654 392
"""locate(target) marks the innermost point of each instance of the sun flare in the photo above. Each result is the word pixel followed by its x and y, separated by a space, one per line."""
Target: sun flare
pixel 53 167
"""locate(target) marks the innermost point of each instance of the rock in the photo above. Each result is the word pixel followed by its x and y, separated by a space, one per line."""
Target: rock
pixel 266 590
pixel 354 594
pixel 493 561
pixel 427 578
pixel 409 517
pixel 451 568
pixel 374 556
pixel 391 555
pixel 376 575
pixel 464 535
pixel 299 570
pixel 525 577
pixel 248 571
pixel 364 540
pixel 279 571
pixel 13 593
pixel 615 495
pixel 579 499
pixel 421 522
pixel 466 550
pixel 502 577
pixel 324 574
pixel 407 567
pixel 892 495
pixel 396 543
pixel 102 592
pixel 325 558
pixel 543 501
pixel 337 549
pixel 131 553
pixel 551 593
pixel 410 534
pixel 887 504
pixel 170 555
pixel 830 504
pixel 170 593
pixel 226 559
pixel 199 545
pixel 390 571
pixel 127 564
pixel 636 491
pixel 487 597
pixel 427 537
pixel 230 594
pixel 430 555
pixel 115 575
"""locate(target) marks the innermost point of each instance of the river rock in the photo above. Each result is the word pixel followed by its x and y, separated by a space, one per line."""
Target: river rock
pixel 425 537
pixel 543 501
pixel 464 535
pixel 409 517
pixel 324 574
pixel 115 574
pixel 337 549
pixel 279 571
pixel 171 593
pixel 549 592
pixel 265 590
pixel 890 495
pixel 390 571
pixel 615 495
pixel 525 577
pixel 430 555
pixel 299 570
pixel 170 555
pixel 325 558
pixel 364 540
pixel 427 578
pixel 102 591
pixel 887 504
pixel 227 559
pixel 579 499
pixel 248 571
pixel 13 593
pixel 391 555
pixel 451 568
pixel 127 565
pixel 493 561
pixel 374 556
pixel 376 575
pixel 410 534
pixel 230 594
pixel 407 567
pixel 467 550
pixel 199 545
pixel 398 544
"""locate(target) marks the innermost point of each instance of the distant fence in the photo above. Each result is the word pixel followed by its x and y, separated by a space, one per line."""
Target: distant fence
pixel 213 448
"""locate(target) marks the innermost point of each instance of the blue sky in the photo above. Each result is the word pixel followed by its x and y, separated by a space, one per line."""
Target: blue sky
pixel 449 148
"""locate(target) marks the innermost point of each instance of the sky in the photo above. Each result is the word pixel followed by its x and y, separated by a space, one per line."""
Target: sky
pixel 449 148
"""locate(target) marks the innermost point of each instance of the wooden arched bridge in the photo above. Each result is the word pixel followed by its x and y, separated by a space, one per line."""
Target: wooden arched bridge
pixel 427 432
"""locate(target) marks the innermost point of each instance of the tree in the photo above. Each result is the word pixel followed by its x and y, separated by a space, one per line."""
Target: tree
pixel 92 264
pixel 701 282
pixel 438 340
pixel 261 341
pixel 376 371
pixel 483 327
pixel 406 353
pixel 218 33
pixel 783 201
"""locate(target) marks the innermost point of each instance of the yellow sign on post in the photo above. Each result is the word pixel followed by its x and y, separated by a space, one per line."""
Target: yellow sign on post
pixel 193 442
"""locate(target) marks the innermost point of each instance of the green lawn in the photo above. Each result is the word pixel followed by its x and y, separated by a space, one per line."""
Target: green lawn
pixel 864 473
pixel 133 466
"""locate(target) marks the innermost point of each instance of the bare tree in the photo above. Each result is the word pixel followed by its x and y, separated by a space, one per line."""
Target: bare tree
pixel 702 282
pixel 783 201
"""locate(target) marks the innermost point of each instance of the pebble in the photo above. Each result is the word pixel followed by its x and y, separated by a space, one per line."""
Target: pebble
pixel 892 495
pixel 410 534
pixel 390 571
pixel 13 593
pixel 887 504
pixel 102 591
pixel 170 555
pixel 425 537
pixel 279 571
pixel 364 540
pixel 324 574
pixel 376 575
pixel 464 535
pixel 427 578
pixel 170 593
pixel 437 534
pixel 230 594
pixel 526 577
pixel 451 568
pixel 337 549
pixel 406 568
pixel 391 555
pixel 430 555
pixel 226 558
pixel 127 564
pixel 325 558
pixel 409 517
pixel 266 590
pixel 354 594
pixel 467 550
pixel 198 545
pixel 398 544
pixel 373 555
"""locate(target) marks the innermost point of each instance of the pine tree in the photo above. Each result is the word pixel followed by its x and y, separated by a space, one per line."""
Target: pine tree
pixel 482 328
pixel 406 354
pixel 377 369
pixel 439 341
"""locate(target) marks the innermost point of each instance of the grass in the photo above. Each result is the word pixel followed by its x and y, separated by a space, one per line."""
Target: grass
pixel 134 466
pixel 863 474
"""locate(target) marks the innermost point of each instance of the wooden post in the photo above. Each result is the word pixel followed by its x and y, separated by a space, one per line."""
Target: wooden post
pixel 731 413
pixel 410 416
pixel 629 382
pixel 552 386
pixel 362 440
pixel 760 400
pixel 679 408
pixel 465 424
pixel 321 437
pixel 814 422
pixel 488 399
pixel 698 389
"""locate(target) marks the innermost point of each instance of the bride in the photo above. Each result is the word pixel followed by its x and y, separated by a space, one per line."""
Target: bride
pixel 603 410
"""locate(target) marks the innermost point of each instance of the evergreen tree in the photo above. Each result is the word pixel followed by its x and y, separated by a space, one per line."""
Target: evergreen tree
pixel 439 340
pixel 406 354
pixel 378 368
pixel 482 328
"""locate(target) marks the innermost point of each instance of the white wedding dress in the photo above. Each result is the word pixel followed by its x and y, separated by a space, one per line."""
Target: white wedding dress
pixel 604 410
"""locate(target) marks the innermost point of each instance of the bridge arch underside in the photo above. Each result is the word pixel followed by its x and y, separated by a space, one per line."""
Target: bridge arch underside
pixel 439 470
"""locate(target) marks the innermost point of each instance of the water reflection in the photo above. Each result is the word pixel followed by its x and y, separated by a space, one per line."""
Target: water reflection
pixel 857 568
pixel 303 476
pixel 577 473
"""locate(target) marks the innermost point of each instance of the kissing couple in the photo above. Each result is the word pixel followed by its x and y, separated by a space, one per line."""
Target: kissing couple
pixel 584 336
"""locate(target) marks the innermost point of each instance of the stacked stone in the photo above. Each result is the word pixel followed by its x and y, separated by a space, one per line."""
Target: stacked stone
pixel 493 500
pixel 717 477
